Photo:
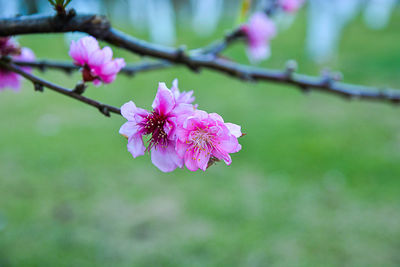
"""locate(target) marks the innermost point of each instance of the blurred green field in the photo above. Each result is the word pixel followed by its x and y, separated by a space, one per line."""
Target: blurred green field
pixel 316 184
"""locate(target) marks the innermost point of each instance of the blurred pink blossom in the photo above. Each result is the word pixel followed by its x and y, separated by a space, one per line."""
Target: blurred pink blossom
pixel 160 125
pixel 259 31
pixel 202 136
pixel 291 6
pixel 97 64
pixel 9 47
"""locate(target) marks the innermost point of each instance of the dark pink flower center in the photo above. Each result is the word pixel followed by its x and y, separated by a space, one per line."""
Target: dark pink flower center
pixel 87 74
pixel 8 48
pixel 154 124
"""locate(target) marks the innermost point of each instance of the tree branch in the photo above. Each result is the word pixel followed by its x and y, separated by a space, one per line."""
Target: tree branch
pixel 99 27
pixel 40 83
pixel 68 67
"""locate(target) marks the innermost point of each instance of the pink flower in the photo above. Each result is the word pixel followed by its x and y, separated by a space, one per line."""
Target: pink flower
pixel 8 47
pixel 160 124
pixel 291 6
pixel 202 136
pixel 97 64
pixel 184 97
pixel 259 31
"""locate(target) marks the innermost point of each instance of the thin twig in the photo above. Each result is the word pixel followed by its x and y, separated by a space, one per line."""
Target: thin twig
pixel 99 27
pixel 40 83
pixel 217 47
pixel 271 7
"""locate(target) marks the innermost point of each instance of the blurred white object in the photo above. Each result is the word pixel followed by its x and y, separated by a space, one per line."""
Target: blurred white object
pixel 136 15
pixel 9 8
pixel 377 13
pixel 161 18
pixel 44 7
pixel 206 14
pixel 284 20
pixel 86 6
pixel 326 20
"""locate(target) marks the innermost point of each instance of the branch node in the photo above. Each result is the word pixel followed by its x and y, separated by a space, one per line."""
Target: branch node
pixel 180 53
pixel 230 36
pixel 80 88
pixel 183 58
pixel 337 76
pixel 395 101
pixel 104 110
pixel 130 73
pixel 354 95
pixel 327 80
pixel 304 89
pixel 68 71
pixel 38 87
pixel 245 76
pixel 71 13
pixel 290 67
pixel 42 66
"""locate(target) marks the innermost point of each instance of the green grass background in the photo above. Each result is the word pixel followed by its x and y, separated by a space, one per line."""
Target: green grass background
pixel 316 183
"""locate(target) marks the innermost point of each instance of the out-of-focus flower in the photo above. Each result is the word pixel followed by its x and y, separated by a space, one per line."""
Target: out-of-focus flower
pixel 9 47
pixel 291 6
pixel 97 64
pixel 202 136
pixel 259 31
pixel 160 125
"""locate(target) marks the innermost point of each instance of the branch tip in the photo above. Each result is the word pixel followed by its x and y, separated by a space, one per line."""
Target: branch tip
pixel 38 87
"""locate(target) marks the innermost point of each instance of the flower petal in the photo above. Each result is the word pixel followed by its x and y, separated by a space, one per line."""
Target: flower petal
pixel 9 79
pixel 257 53
pixel 222 155
pixel 166 159
pixel 202 159
pixel 107 53
pixel 75 53
pixel 181 148
pixel 164 101
pixel 96 59
pixel 234 129
pixel 216 117
pixel 128 129
pixel 131 112
pixel 230 144
pixel 190 161
pixel 175 89
pixel 136 146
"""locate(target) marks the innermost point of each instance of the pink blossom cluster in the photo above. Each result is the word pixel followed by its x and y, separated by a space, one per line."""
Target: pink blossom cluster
pixel 178 133
pixel 97 64
pixel 259 31
pixel 9 47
